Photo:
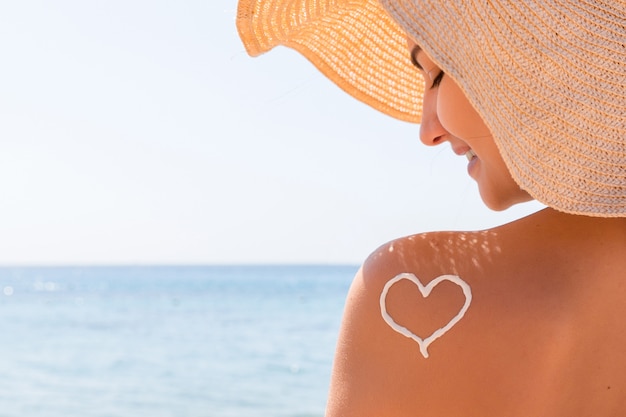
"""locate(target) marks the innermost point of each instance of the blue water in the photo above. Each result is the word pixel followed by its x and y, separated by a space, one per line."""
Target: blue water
pixel 168 341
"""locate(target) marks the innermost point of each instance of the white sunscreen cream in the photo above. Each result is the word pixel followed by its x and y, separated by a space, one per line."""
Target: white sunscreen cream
pixel 425 290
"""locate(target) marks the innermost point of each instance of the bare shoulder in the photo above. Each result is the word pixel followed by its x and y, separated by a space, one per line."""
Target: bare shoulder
pixel 494 322
pixel 410 334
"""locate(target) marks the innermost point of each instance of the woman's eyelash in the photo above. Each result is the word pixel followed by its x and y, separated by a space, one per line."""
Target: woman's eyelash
pixel 437 80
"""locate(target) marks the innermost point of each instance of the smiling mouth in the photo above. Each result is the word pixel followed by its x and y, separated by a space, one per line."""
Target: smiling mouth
pixel 470 155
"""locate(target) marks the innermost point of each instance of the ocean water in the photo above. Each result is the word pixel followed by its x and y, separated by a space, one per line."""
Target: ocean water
pixel 169 341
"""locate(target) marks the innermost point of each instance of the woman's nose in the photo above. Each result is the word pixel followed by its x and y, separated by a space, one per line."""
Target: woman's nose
pixel 431 131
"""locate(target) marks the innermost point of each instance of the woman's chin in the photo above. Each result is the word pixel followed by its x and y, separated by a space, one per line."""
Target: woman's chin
pixel 503 202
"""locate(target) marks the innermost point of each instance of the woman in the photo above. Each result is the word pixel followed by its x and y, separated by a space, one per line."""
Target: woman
pixel 525 319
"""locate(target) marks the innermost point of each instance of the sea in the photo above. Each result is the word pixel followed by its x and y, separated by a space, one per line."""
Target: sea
pixel 210 341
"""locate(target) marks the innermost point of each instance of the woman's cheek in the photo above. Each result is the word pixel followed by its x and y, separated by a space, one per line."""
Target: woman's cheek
pixel 456 114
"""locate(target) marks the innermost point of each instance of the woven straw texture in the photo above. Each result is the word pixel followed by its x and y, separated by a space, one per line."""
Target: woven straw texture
pixel 548 77
pixel 353 43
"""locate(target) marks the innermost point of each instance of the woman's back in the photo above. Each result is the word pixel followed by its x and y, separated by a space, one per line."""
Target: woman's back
pixel 543 334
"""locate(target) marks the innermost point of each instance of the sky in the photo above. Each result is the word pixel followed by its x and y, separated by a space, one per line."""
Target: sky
pixel 140 132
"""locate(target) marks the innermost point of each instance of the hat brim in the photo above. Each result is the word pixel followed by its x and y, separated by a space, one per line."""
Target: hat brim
pixel 355 44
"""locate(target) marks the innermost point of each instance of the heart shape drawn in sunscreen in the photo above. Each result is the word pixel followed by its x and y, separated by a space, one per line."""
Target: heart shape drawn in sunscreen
pixel 425 290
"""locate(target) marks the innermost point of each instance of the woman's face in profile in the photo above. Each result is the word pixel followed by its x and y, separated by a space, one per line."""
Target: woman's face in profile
pixel 448 116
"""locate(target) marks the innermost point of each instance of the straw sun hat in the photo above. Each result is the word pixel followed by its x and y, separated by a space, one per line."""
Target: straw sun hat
pixel 548 77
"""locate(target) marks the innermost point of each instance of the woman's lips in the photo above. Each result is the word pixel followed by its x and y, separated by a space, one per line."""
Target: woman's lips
pixel 473 159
